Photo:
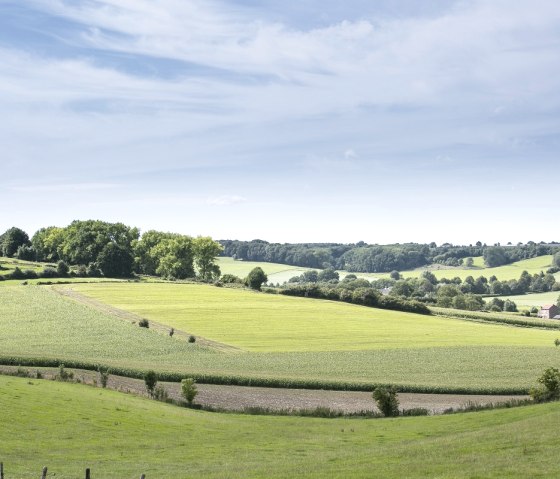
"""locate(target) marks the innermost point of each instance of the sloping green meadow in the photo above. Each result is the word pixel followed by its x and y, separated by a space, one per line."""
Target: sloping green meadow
pixel 70 427
pixel 38 323
pixel 274 323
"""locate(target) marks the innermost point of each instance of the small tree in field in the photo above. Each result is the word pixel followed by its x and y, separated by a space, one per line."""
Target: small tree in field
pixel 189 390
pixel 150 378
pixel 256 278
pixel 387 401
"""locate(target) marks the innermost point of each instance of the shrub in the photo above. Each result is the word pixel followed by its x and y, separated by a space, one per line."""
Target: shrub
pixel 48 272
pixel 230 279
pixel 63 375
pixel 192 339
pixel 103 376
pixel 62 268
pixel 189 390
pixel 256 278
pixel 150 379
pixel 387 401
pixel 415 411
pixel 171 332
pixel 550 389
pixel 144 323
pixel 557 342
pixel 160 394
pixel 81 271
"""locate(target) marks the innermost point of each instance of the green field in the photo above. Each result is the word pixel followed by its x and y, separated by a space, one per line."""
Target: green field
pixel 274 323
pixel 530 300
pixel 37 322
pixel 278 273
pixel 70 427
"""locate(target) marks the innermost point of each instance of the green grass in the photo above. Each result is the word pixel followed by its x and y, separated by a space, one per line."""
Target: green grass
pixel 277 273
pixel 38 323
pixel 503 273
pixel 69 427
pixel 275 323
pixel 527 301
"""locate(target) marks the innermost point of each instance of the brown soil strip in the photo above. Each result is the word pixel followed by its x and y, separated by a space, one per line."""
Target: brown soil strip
pixel 239 397
pixel 135 319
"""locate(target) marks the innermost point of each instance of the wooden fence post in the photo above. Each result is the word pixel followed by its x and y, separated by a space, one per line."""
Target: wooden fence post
pixel 88 473
pixel 143 476
pixel 44 475
pixel 1 470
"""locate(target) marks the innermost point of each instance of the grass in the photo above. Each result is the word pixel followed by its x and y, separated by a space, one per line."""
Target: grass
pixel 37 323
pixel 277 273
pixel 527 301
pixel 69 427
pixel 274 323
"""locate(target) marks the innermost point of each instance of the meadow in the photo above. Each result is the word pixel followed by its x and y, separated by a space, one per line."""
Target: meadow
pixel 71 427
pixel 279 273
pixel 39 324
pixel 538 299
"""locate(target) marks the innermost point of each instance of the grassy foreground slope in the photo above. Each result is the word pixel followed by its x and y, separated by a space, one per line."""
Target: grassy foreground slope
pixel 36 322
pixel 69 427
pixel 274 323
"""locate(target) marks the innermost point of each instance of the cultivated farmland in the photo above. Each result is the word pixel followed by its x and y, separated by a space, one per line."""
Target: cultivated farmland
pixel 39 323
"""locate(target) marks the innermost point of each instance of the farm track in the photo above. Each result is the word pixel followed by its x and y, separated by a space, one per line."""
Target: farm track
pixel 237 398
pixel 134 319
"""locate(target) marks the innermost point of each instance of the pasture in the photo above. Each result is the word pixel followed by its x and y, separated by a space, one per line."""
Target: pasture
pixel 70 427
pixel 277 273
pixel 38 323
pixel 538 299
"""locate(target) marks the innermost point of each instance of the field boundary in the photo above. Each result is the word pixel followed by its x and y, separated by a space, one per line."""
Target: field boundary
pixel 289 383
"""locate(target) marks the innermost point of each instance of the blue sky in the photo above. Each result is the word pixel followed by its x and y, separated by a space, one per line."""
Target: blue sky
pixel 386 121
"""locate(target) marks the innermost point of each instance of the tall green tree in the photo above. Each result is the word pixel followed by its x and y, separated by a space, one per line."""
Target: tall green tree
pixel 47 243
pixel 11 240
pixel 176 257
pixel 256 278
pixel 205 252
pixel 115 261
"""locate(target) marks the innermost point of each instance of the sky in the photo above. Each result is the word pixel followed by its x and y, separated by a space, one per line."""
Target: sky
pixel 385 121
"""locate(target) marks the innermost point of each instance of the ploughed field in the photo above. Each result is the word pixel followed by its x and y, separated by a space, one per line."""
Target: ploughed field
pixel 69 427
pixel 275 338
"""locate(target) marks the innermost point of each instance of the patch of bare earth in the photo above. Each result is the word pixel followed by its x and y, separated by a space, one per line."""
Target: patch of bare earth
pixel 237 398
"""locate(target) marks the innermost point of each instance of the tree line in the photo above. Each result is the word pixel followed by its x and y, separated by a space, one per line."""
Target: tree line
pixel 365 258
pixel 116 250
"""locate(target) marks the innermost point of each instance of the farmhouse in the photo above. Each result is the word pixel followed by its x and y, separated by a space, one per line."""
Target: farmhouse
pixel 549 312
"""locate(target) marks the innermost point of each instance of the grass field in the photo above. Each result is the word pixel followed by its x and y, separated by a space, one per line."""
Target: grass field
pixel 37 323
pixel 278 273
pixel 530 300
pixel 69 427
pixel 274 323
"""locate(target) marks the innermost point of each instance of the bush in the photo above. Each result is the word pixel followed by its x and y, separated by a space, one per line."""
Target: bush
pixel 150 379
pixel 48 272
pixel 192 339
pixel 550 389
pixel 230 279
pixel 387 401
pixel 189 390
pixel 62 268
pixel 415 411
pixel 256 278
pixel 144 323
pixel 160 394
pixel 103 376
pixel 63 375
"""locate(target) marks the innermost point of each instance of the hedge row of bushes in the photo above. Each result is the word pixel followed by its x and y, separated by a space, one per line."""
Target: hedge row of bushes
pixel 255 381
pixel 61 270
pixel 362 296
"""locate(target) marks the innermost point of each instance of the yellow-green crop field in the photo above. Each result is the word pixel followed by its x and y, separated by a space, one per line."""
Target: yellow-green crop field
pixel 361 346
pixel 71 427
pixel 261 322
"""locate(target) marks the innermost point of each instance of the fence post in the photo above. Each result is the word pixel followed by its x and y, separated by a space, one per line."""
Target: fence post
pixel 1 470
pixel 87 473
pixel 143 476
pixel 44 475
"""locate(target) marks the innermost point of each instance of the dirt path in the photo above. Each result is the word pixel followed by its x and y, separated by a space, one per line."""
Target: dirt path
pixel 240 397
pixel 133 318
